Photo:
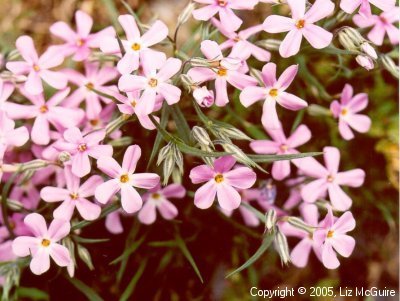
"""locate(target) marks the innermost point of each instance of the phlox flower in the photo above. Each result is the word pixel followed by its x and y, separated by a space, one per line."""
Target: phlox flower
pixel 224 8
pixel 6 89
pixel 380 25
pixel 124 179
pixel 280 145
pixel 329 179
pixel 74 195
pixel 79 42
pixel 43 244
pixel 113 222
pixel 301 24
pixel 153 83
pixel 158 199
pixel 349 6
pixel 332 235
pixel 16 221
pixel 136 45
pixel 94 78
pixel 37 68
pixel 9 135
pixel 226 71
pixel 45 113
pixel 346 111
pixel 273 92
pixel 82 147
pixel 203 96
pixel 221 181
pixel 240 40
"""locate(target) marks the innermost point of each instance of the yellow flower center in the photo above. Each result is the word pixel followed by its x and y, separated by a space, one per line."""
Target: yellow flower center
pixel 284 147
pixel 310 236
pixel 124 178
pixel 74 196
pixel 94 122
pixel 82 147
pixel 219 178
pixel 80 42
pixel 36 68
pixel 330 179
pixel 330 234
pixel 45 242
pixel 89 86
pixel 273 92
pixel 344 111
pixel 222 71
pixel 153 82
pixel 300 24
pixel 133 103
pixel 222 2
pixel 156 196
pixel 135 46
pixel 43 109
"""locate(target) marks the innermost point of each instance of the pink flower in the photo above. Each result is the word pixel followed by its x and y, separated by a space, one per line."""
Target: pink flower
pixel 153 83
pixel 329 179
pixel 225 72
pixel 346 111
pixel 272 93
pixel 9 135
pixel 81 147
pixel 380 25
pixel 203 96
pixel 37 68
pixel 75 195
pixel 349 6
pixel 124 179
pixel 6 89
pixel 94 78
pixel 365 61
pixel 281 145
pixel 135 45
pixel 301 24
pixel 79 43
pixel 43 244
pixel 113 222
pixel 294 197
pixel 229 21
pixel 240 40
pixel 45 113
pixel 221 182
pixel 331 233
pixel 158 199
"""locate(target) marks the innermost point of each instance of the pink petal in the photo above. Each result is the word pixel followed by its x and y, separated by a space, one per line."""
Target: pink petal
pixel 265 147
pixel 332 159
pixel 240 80
pixel 317 36
pixel 55 79
pixel 18 67
pixel 200 174
pixel 250 219
pixel 358 103
pixel 54 194
pixel 301 253
pixel 157 32
pixel 345 223
pixel 81 164
pixel 205 13
pixel 129 25
pixel 131 157
pixel 297 7
pixel 65 117
pixel 229 21
pixel 63 31
pixel 269 75
pixel 269 117
pixel 33 84
pixel 211 50
pixel 88 210
pixel 65 210
pixel 280 170
pixel 352 178
pixel 360 123
pixel 147 102
pixel 58 229
pixel 291 102
pixel 60 255
pixel 168 210
pixel 147 214
pixel 36 224
pixel 128 63
pixel 25 245
pixel 27 49
pixel 131 200
pixel 345 130
pixel 339 199
pixel 40 262
pixel 329 257
pixel 113 223
pixel 172 94
pixel 310 213
pixel 349 6
pixel 287 77
pixel 228 197
pixel 73 135
pixel 343 244
pixel 145 180
pixel 201 75
pixel 88 188
pixel 319 10
pixel 314 190
pixel 205 195
pixel 277 24
pixel 291 43
pixel 393 33
pixel 300 136
pixel 109 166
pixel 311 167
pixel 221 92
pixel 241 177
pixel 170 68
pixel 224 164
pixel 259 53
pixel 174 191
pixel 52 57
pixel 107 190
pixel 83 23
pixel 17 137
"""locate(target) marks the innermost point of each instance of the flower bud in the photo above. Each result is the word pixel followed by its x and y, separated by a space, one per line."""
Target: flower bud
pixel 299 224
pixel 34 164
pixel 350 38
pixel 64 156
pixel 187 82
pixel 317 110
pixel 186 13
pixel 282 247
pixel 201 136
pixel 233 133
pixel 270 44
pixel 164 152
pixel 116 124
pixel 168 167
pixel 390 65
pixel 84 254
pixel 120 142
pixel 236 152
pixel 199 62
pixel 270 220
pixel 365 62
pixel 203 96
pixel 368 49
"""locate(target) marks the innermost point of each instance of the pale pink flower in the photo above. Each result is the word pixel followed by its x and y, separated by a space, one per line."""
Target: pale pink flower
pixel 346 111
pixel 79 42
pixel 380 25
pixel 43 244
pixel 16 221
pixel 203 96
pixel 75 195
pixel 94 78
pixel 280 145
pixel 332 235
pixel 113 222
pixel 136 45
pixel 45 113
pixel 9 135
pixel 124 179
pixel 329 179
pixel 301 24
pixel 82 147
pixel 221 182
pixel 227 71
pixel 6 89
pixel 158 199
pixel 153 83
pixel 240 40
pixel 37 68
pixel 229 21
pixel 272 93
pixel 349 6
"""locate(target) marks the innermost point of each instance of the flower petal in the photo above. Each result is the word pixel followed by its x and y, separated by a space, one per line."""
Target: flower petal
pixel 131 157
pixel 241 177
pixel 205 195
pixel 131 200
pixel 36 224
pixel 228 197
pixel 60 255
pixel 107 190
pixel 40 262
pixel 58 229
pixel 147 214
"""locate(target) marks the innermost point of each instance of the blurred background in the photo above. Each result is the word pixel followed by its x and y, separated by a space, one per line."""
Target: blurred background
pixel 219 244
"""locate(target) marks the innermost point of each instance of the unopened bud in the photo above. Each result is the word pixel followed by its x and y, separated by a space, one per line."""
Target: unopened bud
pixel 365 61
pixel 270 220
pixel 390 65
pixel 299 224
pixel 84 254
pixel 203 96
pixel 201 136
pixel 199 62
pixel 120 142
pixel 34 164
pixel 270 44
pixel 317 110
pixel 116 124
pixel 64 156
pixel 350 38
pixel 186 13
pixel 236 152
pixel 168 167
pixel 282 247
pixel 164 152
pixel 187 82
pixel 369 50
pixel 233 133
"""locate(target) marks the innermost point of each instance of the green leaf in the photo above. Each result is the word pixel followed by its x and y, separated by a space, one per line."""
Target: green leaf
pixel 128 251
pixel 261 250
pixel 273 158
pixel 181 123
pixel 84 289
pixel 132 284
pixel 84 240
pixel 182 246
pixel 31 293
